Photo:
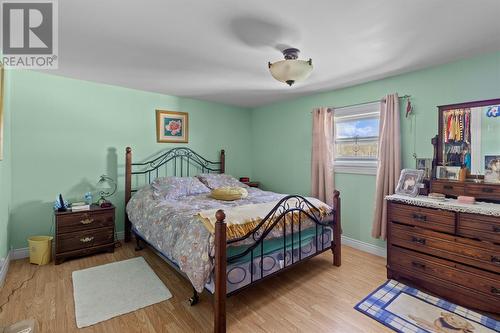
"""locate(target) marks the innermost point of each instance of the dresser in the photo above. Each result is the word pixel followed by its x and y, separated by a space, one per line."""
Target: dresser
pixel 85 232
pixel 449 249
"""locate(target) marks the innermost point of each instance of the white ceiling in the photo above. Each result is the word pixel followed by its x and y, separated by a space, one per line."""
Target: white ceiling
pixel 218 50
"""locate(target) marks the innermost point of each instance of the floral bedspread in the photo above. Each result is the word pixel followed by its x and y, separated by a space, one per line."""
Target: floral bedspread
pixel 171 227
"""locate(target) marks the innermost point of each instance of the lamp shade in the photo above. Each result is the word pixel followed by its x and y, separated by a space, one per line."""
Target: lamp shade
pixel 291 71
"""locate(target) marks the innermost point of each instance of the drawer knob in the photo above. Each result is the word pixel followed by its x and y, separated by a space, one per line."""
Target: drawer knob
pixel 418 264
pixel 487 190
pixel 448 187
pixel 86 239
pixel 495 291
pixel 418 240
pixel 419 217
pixel 496 228
pixel 495 260
pixel 87 221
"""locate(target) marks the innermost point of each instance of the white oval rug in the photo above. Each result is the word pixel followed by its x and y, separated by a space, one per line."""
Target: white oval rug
pixel 110 290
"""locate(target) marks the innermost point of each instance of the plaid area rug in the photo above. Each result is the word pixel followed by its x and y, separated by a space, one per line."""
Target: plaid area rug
pixel 406 309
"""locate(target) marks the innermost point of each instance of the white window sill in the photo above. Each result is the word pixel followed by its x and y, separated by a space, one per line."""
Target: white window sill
pixel 360 168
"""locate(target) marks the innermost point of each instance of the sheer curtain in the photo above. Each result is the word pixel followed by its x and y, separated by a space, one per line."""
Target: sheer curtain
pixel 389 162
pixel 322 185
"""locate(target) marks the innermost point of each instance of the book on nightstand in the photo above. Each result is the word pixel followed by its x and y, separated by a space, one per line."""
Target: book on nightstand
pixel 79 206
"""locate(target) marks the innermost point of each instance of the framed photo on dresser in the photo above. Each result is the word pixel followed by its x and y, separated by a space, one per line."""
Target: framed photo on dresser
pixel 409 182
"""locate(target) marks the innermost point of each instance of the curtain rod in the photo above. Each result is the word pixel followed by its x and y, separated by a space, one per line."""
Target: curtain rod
pixel 358 104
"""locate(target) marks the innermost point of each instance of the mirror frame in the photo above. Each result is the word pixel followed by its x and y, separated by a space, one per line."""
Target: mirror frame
pixel 442 108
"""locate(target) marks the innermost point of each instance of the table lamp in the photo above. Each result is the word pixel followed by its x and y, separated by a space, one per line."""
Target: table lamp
pixel 107 187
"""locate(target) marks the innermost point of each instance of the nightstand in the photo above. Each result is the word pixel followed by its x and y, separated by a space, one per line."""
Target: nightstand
pixel 252 184
pixel 84 232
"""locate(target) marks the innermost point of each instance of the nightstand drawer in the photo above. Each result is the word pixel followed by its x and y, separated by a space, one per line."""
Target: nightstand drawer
pixel 84 239
pixel 84 221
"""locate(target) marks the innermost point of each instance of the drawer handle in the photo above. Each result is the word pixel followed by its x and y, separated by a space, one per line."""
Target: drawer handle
pixel 487 190
pixel 495 260
pixel 86 239
pixel 496 228
pixel 448 187
pixel 418 264
pixel 418 240
pixel 419 217
pixel 87 221
pixel 495 291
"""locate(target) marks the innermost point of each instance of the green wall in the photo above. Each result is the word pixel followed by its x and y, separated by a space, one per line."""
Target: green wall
pixel 5 173
pixel 282 131
pixel 66 133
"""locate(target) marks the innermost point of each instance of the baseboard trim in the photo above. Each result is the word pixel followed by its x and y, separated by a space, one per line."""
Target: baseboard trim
pixel 21 253
pixel 4 268
pixel 365 247
pixel 24 252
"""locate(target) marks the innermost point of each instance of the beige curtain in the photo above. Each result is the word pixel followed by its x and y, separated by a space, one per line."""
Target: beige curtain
pixel 389 162
pixel 322 156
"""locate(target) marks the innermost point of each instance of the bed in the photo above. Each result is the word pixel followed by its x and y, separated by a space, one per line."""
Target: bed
pixel 193 234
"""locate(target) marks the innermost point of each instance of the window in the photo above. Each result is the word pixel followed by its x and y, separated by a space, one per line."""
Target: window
pixel 356 138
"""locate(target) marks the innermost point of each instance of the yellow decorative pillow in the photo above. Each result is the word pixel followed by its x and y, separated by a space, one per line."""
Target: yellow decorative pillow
pixel 229 193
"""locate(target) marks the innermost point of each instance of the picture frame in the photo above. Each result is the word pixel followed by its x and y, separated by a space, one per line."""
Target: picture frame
pixel 426 165
pixel 409 182
pixel 1 110
pixel 172 126
pixel 448 172
pixel 492 169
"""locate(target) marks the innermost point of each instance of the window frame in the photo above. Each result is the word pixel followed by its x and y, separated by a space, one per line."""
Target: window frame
pixel 359 165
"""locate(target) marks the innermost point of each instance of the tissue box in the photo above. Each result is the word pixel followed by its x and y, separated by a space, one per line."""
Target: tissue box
pixel 466 199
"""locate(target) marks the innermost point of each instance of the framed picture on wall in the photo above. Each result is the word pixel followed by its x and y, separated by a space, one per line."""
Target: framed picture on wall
pixel 1 111
pixel 171 126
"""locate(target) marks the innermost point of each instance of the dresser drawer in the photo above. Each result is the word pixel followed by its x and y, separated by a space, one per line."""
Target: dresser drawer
pixel 483 191
pixel 428 268
pixel 448 188
pixel 84 221
pixel 466 251
pixel 423 217
pixel 84 239
pixel 479 226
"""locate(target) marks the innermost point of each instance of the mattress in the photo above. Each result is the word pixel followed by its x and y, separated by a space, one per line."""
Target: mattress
pixel 172 228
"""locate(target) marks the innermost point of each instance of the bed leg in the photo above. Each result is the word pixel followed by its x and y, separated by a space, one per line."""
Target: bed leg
pixel 138 243
pixel 195 298
pixel 337 231
pixel 220 273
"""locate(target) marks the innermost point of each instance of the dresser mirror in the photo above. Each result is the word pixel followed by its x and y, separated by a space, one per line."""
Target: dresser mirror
pixel 469 137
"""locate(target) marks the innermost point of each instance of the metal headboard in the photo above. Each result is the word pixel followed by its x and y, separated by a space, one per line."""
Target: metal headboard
pixel 179 161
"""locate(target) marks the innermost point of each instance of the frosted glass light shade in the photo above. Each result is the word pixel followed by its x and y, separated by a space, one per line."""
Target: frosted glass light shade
pixel 290 71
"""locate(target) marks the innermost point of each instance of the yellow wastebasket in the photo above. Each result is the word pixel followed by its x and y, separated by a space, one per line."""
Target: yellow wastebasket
pixel 40 249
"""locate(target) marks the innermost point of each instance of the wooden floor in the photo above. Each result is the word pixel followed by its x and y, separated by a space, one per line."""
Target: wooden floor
pixel 313 297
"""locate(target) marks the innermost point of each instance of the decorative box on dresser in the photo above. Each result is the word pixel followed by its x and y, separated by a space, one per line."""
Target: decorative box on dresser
pixel 85 232
pixel 446 248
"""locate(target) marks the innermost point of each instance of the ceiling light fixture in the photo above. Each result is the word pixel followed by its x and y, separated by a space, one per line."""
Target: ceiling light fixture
pixel 291 69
